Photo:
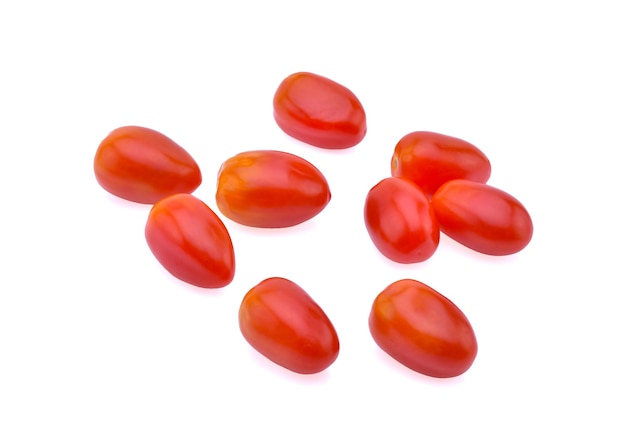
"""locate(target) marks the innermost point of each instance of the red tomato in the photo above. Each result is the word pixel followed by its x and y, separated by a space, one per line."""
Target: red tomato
pixel 190 241
pixel 430 159
pixel 482 217
pixel 281 321
pixel 271 189
pixel 422 329
pixel 319 111
pixel 143 165
pixel 400 221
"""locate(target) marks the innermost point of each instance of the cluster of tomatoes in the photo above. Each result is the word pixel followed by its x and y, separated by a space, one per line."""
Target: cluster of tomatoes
pixel 437 183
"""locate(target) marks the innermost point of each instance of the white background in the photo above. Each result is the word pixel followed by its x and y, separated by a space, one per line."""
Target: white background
pixel 98 342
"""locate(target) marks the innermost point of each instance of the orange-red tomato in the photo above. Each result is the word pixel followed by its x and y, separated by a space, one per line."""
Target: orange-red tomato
pixel 319 111
pixel 143 165
pixel 271 189
pixel 429 159
pixel 483 218
pixel 281 321
pixel 422 329
pixel 190 241
pixel 401 221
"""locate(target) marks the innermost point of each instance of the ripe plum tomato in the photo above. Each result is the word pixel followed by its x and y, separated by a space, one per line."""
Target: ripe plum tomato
pixel 281 321
pixel 270 189
pixel 483 218
pixel 422 329
pixel 429 159
pixel 319 111
pixel 400 221
pixel 190 241
pixel 143 165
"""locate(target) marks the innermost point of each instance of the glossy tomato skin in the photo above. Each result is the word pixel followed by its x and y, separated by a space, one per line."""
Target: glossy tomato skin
pixel 400 221
pixel 422 329
pixel 483 218
pixel 281 321
pixel 190 241
pixel 270 189
pixel 319 111
pixel 430 159
pixel 143 165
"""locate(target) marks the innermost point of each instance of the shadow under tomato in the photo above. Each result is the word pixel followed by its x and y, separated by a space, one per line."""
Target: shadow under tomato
pixel 178 285
pixel 126 204
pixel 458 248
pixel 303 149
pixel 397 368
pixel 305 227
pixel 386 262
pixel 315 379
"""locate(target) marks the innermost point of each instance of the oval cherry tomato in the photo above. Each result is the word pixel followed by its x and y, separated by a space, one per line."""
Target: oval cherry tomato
pixel 143 165
pixel 400 221
pixel 422 329
pixel 190 241
pixel 271 189
pixel 429 159
pixel 319 111
pixel 482 217
pixel 281 321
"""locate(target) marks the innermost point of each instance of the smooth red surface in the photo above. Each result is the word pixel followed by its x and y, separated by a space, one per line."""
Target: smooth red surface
pixel 483 218
pixel 319 111
pixel 271 189
pixel 143 165
pixel 400 221
pixel 422 329
pixel 190 241
pixel 430 159
pixel 281 321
